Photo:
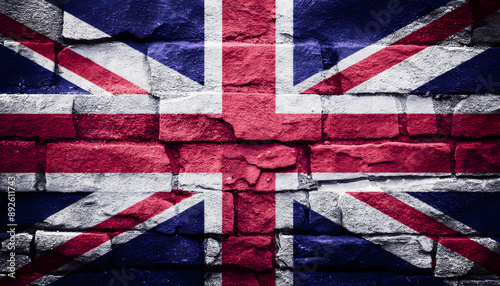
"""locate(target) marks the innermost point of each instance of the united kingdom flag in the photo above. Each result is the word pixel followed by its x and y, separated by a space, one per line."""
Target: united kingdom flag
pixel 270 142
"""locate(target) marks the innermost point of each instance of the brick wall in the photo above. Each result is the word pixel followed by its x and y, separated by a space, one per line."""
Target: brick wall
pixel 293 188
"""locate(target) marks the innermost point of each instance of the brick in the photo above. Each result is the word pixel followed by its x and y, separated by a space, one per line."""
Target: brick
pixel 243 165
pixel 201 158
pixel 166 277
pixel 357 217
pixel 284 251
pixel 286 217
pixel 411 68
pixel 284 277
pixel 108 182
pixel 439 186
pixel 388 279
pixel 324 203
pixel 21 242
pixel 19 260
pixel 238 174
pixel 119 58
pixel 117 126
pixel 240 278
pixel 487 31
pixel 115 104
pixel 156 250
pixel 20 157
pixel 341 252
pixel 80 212
pixel 95 157
pixel 249 22
pixel 93 76
pixel 309 277
pixel 227 213
pixel 367 116
pixel 295 103
pixel 43 116
pixel 477 116
pixel 479 282
pixel 47 243
pixel 168 58
pixel 40 16
pixel 250 252
pixel 44 126
pixel 381 158
pixel 350 126
pixel 248 68
pixel 421 118
pixel 270 156
pixel 451 264
pixel 253 212
pixel 33 72
pixel 476 125
pixel 422 124
pixel 157 20
pixel 477 158
pixel 417 250
pixel 195 127
pixel 199 181
pixel 253 117
pixel 116 116
pixel 265 182
pixel 23 182
pixel 360 26
pixel 213 251
pixel 239 161
pixel 213 278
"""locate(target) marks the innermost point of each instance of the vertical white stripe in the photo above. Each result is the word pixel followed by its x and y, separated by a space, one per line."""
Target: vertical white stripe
pixel 419 105
pixel 284 46
pixel 213 45
pixel 210 184
pixel 284 208
pixel 287 181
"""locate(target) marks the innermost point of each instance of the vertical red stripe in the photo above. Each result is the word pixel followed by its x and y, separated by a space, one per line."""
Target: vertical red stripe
pixel 432 229
pixel 249 66
pixel 114 226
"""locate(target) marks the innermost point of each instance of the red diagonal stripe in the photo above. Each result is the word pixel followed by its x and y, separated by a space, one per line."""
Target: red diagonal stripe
pixel 431 228
pixel 68 59
pixel 79 245
pixel 429 35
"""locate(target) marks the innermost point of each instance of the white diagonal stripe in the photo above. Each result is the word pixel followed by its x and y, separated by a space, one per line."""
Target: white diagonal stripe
pixel 418 69
pixel 379 45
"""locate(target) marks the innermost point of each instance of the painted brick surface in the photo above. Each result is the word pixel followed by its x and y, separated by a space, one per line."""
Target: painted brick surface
pixel 268 142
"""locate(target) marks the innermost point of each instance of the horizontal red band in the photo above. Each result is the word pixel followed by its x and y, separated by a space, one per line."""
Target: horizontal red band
pixel 99 157
pixel 391 157
pixel 477 158
pixel 20 157
pixel 44 126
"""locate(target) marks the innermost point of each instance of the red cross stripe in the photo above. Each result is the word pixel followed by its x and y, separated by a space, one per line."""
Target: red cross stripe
pixel 254 138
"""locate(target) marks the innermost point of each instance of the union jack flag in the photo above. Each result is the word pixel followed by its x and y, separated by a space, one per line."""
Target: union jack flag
pixel 268 142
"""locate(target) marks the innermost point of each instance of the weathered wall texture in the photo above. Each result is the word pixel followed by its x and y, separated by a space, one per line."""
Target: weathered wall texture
pixel 379 185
